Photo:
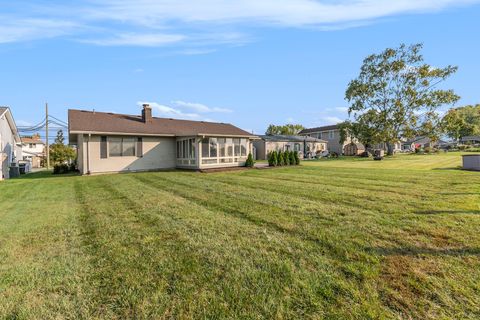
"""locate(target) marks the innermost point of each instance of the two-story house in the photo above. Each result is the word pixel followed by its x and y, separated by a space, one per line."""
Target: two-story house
pixel 331 134
pixel 33 150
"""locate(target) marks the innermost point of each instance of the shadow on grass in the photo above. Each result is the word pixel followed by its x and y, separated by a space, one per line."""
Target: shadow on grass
pixel 414 251
pixel 458 168
pixel 45 174
pixel 432 212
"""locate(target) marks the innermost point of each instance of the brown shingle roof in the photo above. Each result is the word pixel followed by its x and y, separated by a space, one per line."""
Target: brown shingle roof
pixel 319 129
pixel 31 140
pixel 80 121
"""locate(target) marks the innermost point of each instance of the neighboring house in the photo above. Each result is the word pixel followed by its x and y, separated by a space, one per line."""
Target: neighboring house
pixel 108 142
pixel 421 142
pixel 470 140
pixel 302 144
pixel 331 134
pixel 33 149
pixel 9 142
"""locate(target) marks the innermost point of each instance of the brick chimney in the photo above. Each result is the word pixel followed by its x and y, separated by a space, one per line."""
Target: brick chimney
pixel 147 113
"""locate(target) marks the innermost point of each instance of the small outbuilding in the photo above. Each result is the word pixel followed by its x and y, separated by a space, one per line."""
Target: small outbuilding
pixel 353 149
pixel 471 162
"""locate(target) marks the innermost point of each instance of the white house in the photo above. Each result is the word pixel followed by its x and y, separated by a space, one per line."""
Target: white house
pixel 9 142
pixel 33 149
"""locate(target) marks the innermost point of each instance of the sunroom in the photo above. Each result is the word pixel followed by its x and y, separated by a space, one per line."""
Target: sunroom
pixel 212 152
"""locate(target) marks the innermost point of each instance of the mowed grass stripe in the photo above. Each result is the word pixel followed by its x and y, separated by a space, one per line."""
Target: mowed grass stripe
pixel 271 273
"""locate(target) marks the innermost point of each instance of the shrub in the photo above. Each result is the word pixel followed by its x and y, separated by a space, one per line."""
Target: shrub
pixel 249 163
pixel 280 159
pixel 272 159
pixel 296 157
pixel 292 158
pixel 286 157
pixel 427 149
pixel 417 149
pixel 61 168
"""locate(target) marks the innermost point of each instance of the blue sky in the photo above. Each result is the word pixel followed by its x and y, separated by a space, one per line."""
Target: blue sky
pixel 247 62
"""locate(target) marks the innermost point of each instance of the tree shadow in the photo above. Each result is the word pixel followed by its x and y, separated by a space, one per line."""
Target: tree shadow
pixel 45 174
pixel 415 251
pixel 433 212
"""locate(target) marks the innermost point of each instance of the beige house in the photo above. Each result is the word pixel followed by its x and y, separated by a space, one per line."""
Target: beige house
pixel 9 142
pixel 332 135
pixel 303 144
pixel 108 142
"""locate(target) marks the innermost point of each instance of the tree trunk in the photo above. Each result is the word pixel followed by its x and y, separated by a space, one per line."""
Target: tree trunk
pixel 389 149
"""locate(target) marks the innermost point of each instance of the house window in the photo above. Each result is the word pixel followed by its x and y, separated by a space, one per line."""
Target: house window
pixel 186 150
pixel 287 147
pixel 121 147
pixel 331 134
pixel 243 147
pixel 236 144
pixel 296 147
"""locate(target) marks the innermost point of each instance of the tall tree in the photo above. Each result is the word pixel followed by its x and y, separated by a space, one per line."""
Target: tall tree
pixel 288 129
pixel 461 122
pixel 398 93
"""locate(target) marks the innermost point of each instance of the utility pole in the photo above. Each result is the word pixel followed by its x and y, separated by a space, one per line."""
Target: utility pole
pixel 47 147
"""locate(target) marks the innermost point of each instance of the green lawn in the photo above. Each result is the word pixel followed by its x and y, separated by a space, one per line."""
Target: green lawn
pixel 347 238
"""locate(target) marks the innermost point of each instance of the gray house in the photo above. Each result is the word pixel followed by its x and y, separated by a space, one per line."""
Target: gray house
pixel 108 142
pixel 302 144
pixel 9 142
pixel 331 134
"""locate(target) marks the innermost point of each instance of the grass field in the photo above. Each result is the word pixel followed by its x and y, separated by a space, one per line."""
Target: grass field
pixel 348 238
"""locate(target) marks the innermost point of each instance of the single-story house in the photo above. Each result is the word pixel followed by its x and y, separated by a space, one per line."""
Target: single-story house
pixel 421 142
pixel 109 142
pixel 9 142
pixel 33 150
pixel 470 140
pixel 303 144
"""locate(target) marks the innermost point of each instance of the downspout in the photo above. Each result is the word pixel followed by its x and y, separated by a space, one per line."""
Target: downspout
pixel 88 153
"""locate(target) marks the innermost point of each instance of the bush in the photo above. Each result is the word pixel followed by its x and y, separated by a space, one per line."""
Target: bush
pixel 292 158
pixel 417 150
pixel 280 159
pixel 272 158
pixel 286 157
pixel 427 149
pixel 296 158
pixel 61 168
pixel 249 163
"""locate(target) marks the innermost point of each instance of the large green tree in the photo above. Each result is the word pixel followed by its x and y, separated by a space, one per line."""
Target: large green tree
pixel 288 129
pixel 397 95
pixel 461 122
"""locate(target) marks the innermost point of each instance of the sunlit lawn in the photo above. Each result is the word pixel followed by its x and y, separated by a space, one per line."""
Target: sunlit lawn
pixel 347 238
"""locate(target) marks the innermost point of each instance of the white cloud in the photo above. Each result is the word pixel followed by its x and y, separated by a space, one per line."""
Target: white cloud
pixel 169 112
pixel 193 23
pixel 23 123
pixel 15 30
pixel 198 107
pixel 136 39
pixel 333 119
pixel 342 109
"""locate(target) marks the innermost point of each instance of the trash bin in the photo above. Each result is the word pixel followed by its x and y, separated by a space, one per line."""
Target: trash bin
pixel 14 172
